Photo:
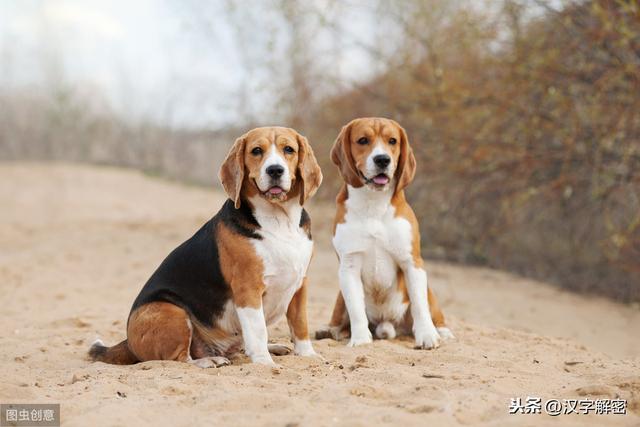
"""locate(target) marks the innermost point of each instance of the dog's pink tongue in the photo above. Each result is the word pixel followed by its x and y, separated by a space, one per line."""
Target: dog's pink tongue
pixel 380 179
pixel 275 190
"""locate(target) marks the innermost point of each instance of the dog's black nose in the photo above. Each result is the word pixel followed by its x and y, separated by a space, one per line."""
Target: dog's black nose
pixel 275 171
pixel 382 160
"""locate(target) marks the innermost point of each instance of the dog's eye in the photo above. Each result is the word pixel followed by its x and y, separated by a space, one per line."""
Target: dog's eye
pixel 392 141
pixel 256 151
pixel 289 150
pixel 363 141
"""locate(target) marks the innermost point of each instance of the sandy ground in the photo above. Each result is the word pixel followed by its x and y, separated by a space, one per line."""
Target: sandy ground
pixel 78 242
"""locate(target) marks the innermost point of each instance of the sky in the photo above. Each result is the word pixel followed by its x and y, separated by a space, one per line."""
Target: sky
pixel 175 62
pixel 146 56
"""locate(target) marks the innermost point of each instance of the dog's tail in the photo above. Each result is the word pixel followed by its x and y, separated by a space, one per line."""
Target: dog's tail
pixel 119 354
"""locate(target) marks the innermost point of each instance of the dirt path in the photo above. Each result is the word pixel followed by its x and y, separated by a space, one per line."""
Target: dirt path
pixel 78 242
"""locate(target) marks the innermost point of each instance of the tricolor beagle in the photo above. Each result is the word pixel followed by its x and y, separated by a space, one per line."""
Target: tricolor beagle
pixel 240 272
pixel 383 284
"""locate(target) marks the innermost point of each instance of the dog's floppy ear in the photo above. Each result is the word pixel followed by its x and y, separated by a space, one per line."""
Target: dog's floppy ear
pixel 341 156
pixel 308 170
pixel 232 171
pixel 406 170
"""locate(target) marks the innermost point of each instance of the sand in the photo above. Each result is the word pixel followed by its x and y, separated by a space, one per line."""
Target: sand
pixel 78 242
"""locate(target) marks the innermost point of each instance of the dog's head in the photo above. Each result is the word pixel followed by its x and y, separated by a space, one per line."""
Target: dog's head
pixel 274 162
pixel 374 152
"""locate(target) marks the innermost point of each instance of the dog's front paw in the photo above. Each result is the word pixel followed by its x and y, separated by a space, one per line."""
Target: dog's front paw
pixel 310 353
pixel 304 348
pixel 360 338
pixel 427 337
pixel 264 359
pixel 445 333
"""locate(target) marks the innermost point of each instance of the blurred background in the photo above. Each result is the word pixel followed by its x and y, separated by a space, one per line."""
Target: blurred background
pixel 524 114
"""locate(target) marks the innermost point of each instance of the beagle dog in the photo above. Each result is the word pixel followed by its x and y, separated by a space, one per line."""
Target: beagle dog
pixel 246 267
pixel 383 283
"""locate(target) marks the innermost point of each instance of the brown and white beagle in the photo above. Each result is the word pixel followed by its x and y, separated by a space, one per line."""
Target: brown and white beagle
pixel 383 283
pixel 244 269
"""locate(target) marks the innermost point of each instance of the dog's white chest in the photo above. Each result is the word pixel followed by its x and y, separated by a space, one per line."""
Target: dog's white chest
pixel 285 251
pixel 371 227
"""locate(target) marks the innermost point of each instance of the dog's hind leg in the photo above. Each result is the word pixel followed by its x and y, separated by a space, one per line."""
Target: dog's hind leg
pixel 339 326
pixel 210 362
pixel 160 331
pixel 438 317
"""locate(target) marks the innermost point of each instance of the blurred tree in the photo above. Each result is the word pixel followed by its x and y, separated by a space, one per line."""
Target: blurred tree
pixel 526 123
